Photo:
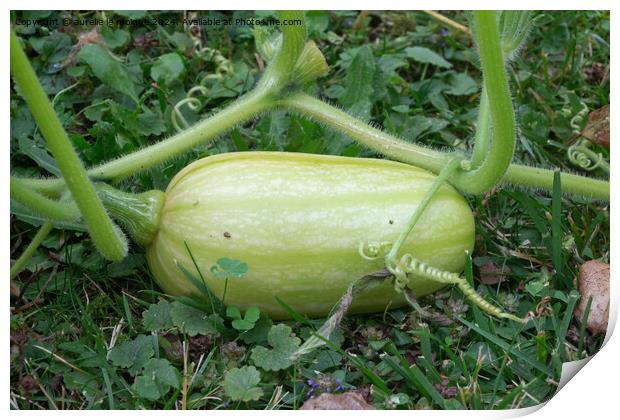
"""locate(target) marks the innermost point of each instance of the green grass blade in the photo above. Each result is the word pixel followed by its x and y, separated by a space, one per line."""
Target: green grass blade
pixel 413 375
pixel 556 227
pixel 506 347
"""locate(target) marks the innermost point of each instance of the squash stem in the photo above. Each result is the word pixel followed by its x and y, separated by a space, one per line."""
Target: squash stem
pixel 138 214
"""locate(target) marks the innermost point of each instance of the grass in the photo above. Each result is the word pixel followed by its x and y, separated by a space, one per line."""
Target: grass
pixel 84 332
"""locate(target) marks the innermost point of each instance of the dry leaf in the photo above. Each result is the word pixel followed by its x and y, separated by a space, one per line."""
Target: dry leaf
pixel 348 401
pixel 594 282
pixel 597 129
pixel 491 273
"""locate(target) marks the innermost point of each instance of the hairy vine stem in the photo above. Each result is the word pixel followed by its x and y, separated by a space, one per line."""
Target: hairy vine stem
pixel 23 259
pixel 430 159
pixel 482 138
pixel 108 239
pixel 42 205
pixel 492 169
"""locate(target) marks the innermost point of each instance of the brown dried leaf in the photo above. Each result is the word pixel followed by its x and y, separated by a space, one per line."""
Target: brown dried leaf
pixel 491 273
pixel 594 282
pixel 597 129
pixel 350 400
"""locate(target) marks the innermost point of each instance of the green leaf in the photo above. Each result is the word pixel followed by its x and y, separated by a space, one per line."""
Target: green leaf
pixel 193 321
pixel 258 334
pixel 246 322
pixel 107 69
pixel 419 126
pixel 76 71
pixel 182 42
pixel 157 317
pixel 401 109
pixel 168 68
pixel 114 38
pixel 461 84
pixel 359 83
pixel 157 377
pixel 233 312
pixel 240 384
pixel 53 48
pixel 227 267
pixel 132 354
pixel 424 55
pixel 39 154
pixel 150 123
pixel 252 314
pixel 242 325
pixel 283 346
pixel 534 287
pixel 82 382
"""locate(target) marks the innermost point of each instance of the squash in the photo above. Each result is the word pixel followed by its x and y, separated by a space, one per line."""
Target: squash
pixel 297 221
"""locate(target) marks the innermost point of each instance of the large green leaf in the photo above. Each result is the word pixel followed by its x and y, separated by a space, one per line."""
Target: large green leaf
pixel 107 69
pixel 424 55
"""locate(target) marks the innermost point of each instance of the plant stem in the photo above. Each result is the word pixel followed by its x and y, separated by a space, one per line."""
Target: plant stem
pixel 483 131
pixel 375 139
pixel 497 160
pixel 138 214
pixel 23 259
pixel 429 159
pixel 108 239
pixel 237 113
pixel 528 176
pixel 443 176
pixel 258 102
pixel 449 22
pixel 280 69
pixel 42 205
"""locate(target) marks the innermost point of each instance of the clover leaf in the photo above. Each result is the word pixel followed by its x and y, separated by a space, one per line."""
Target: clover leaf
pixel 227 267
pixel 240 384
pixel 283 346
pixel 246 322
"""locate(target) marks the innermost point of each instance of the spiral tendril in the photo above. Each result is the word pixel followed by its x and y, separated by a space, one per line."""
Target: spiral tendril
pixel 223 66
pixel 577 120
pixel 371 251
pixel 408 268
pixel 580 155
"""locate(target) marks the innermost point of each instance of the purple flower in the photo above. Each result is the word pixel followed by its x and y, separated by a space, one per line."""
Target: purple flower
pixel 339 386
pixel 443 32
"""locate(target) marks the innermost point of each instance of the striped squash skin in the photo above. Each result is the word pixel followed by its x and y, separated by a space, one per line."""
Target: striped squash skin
pixel 297 221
